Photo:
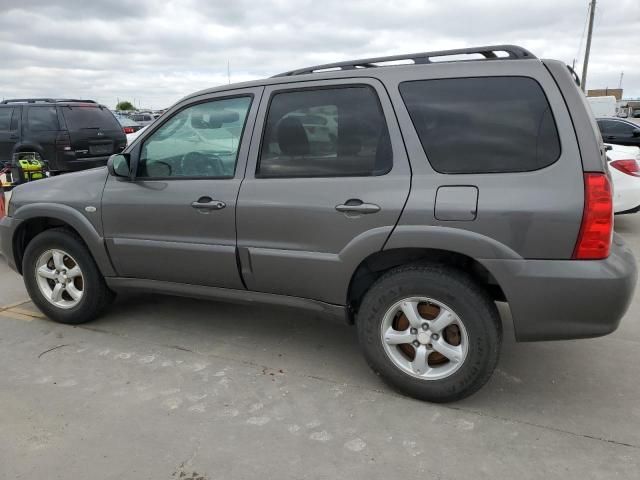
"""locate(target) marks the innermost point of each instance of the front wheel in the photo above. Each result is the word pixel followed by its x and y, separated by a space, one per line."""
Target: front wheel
pixel 62 279
pixel 430 331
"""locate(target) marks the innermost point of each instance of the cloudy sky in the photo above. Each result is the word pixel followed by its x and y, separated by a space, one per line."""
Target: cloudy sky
pixel 156 51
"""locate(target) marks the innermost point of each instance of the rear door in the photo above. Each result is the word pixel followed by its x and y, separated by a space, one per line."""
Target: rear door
pixel 93 130
pixel 8 130
pixel 41 127
pixel 326 181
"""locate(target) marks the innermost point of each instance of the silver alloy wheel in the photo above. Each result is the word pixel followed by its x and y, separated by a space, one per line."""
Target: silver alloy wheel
pixel 59 278
pixel 424 338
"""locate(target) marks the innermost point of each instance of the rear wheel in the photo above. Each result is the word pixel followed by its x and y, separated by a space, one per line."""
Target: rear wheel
pixel 62 279
pixel 430 331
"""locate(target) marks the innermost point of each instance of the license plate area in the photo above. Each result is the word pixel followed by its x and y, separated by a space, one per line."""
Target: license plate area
pixel 101 149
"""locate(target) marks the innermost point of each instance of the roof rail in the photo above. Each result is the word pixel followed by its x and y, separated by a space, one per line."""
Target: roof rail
pixel 44 100
pixel 513 52
pixel 60 100
pixel 28 100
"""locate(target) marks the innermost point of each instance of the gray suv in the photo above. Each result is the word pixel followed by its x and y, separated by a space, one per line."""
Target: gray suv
pixel 404 198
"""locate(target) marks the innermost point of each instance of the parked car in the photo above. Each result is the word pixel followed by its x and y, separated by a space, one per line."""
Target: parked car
pixel 128 125
pixel 143 119
pixel 619 131
pixel 67 134
pixel 132 136
pixel 450 185
pixel 624 165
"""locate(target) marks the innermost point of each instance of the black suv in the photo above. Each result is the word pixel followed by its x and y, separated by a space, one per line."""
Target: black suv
pixel 68 134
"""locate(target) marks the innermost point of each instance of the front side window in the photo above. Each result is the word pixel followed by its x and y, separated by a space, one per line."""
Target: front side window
pixel 199 141
pixel 325 132
pixel 483 124
pixel 41 119
pixel 619 128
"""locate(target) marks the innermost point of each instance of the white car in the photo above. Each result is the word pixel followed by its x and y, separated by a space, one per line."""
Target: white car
pixel 132 136
pixel 624 165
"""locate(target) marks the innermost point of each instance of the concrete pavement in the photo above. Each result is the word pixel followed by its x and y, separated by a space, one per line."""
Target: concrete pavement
pixel 164 388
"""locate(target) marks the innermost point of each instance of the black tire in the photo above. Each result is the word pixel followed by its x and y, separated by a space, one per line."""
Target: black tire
pixel 96 296
pixel 457 290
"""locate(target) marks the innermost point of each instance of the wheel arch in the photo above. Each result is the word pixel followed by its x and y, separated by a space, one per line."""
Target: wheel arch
pixel 378 263
pixel 36 218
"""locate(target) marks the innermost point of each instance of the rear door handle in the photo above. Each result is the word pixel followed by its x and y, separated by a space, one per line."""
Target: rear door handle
pixel 357 206
pixel 207 203
pixel 13 136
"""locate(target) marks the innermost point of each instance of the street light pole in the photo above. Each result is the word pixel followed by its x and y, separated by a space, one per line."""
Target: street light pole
pixel 592 11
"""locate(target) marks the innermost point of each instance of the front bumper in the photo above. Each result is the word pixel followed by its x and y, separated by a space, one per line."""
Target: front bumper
pixel 565 299
pixel 8 226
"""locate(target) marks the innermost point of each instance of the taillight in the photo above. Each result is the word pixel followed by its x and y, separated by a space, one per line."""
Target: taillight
pixel 2 207
pixel 594 239
pixel 128 130
pixel 63 141
pixel 630 167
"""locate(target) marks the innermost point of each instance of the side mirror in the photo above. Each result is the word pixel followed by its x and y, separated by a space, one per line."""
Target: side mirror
pixel 118 165
pixel 607 148
pixel 636 132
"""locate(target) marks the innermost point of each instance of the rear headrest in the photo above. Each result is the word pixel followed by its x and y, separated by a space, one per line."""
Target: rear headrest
pixel 292 137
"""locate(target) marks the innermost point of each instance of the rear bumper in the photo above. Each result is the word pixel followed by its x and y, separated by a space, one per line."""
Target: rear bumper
pixel 8 226
pixel 565 299
pixel 69 163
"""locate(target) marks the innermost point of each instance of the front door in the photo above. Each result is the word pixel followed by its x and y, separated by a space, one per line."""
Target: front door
pixel 175 221
pixel 325 185
pixel 619 132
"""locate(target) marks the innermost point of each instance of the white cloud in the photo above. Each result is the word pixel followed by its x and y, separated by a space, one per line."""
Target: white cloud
pixel 157 52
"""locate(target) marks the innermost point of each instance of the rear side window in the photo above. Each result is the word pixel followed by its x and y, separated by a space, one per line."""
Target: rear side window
pixel 483 125
pixel 41 119
pixel 5 118
pixel 81 117
pixel 330 132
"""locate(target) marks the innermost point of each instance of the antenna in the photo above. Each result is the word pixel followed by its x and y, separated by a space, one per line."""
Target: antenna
pixel 228 72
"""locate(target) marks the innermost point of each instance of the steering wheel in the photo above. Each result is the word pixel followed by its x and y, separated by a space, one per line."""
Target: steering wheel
pixel 197 164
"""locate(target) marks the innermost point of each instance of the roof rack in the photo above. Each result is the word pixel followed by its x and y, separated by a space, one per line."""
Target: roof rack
pixel 513 52
pixel 45 100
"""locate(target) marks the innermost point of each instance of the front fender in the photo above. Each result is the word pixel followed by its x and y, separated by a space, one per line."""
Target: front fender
pixel 77 221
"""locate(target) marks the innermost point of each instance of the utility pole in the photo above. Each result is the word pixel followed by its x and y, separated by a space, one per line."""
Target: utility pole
pixel 620 82
pixel 592 12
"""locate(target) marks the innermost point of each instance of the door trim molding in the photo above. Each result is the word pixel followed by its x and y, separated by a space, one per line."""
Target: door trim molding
pixel 334 312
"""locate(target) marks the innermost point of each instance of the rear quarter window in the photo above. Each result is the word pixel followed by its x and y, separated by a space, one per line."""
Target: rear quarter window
pixel 81 117
pixel 483 124
pixel 40 119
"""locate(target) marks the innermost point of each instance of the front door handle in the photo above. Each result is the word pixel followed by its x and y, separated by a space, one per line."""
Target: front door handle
pixel 357 206
pixel 207 203
pixel 13 136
